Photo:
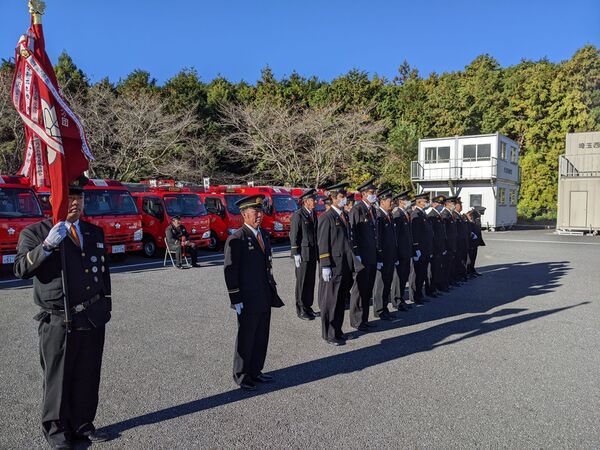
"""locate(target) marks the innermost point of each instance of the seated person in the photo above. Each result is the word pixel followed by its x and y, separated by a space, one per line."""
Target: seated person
pixel 177 239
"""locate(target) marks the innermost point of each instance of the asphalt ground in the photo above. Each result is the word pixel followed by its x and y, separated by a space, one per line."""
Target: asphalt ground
pixel 509 360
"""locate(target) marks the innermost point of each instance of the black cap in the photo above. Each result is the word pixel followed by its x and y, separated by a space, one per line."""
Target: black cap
pixel 439 199
pixel 339 188
pixel 458 200
pixel 424 195
pixel 386 193
pixel 251 201
pixel 76 186
pixel 402 196
pixel 311 193
pixel 176 218
pixel 451 199
pixel 350 197
pixel 367 186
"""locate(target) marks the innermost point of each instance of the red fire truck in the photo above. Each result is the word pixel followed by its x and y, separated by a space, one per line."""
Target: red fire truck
pixel 19 207
pixel 109 205
pixel 159 201
pixel 279 207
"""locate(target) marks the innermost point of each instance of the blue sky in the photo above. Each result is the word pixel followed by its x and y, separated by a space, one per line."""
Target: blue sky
pixel 326 38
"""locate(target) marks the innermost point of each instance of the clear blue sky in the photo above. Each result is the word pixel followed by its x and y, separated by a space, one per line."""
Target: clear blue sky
pixel 326 38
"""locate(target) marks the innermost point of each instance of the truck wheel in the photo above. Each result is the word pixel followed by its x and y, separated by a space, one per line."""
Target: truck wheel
pixel 149 248
pixel 214 243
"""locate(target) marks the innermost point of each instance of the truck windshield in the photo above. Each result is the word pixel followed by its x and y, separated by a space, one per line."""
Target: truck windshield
pixel 108 202
pixel 18 203
pixel 284 203
pixel 184 205
pixel 230 200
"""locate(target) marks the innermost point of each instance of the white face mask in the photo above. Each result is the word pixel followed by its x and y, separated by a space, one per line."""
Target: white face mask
pixel 407 205
pixel 371 198
pixel 427 205
pixel 342 202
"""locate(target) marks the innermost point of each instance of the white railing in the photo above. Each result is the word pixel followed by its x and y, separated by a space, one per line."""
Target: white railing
pixel 457 169
pixel 583 165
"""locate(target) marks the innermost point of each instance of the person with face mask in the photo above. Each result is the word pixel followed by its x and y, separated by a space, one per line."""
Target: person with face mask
pixel 401 215
pixel 303 240
pixel 451 241
pixel 462 247
pixel 475 240
pixel 422 247
pixel 435 276
pixel 388 251
pixel 363 222
pixel 337 263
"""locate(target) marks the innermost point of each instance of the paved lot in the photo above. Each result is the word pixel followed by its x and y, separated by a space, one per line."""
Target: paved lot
pixel 509 360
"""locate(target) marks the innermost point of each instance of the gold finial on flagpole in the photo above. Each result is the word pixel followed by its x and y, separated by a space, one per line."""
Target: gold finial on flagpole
pixel 36 9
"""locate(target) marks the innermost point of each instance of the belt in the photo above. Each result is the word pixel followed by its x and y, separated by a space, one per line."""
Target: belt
pixel 83 305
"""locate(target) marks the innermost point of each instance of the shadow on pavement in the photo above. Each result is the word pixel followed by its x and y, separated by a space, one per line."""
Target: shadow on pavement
pixel 508 284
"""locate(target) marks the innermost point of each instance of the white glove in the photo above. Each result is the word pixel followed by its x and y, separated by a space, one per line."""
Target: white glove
pixel 397 263
pixel 379 265
pixel 238 308
pixel 56 235
pixel 473 236
pixel 444 252
pixel 416 258
pixel 359 259
pixel 326 273
pixel 297 260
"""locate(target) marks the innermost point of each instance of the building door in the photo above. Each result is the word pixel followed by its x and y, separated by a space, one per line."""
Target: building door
pixel 578 209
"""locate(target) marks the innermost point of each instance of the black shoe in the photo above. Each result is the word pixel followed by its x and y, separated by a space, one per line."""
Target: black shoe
pixel 95 436
pixel 335 342
pixel 179 266
pixel 402 307
pixel 342 337
pixel 247 386
pixel 362 327
pixel 262 378
pixel 418 302
pixel 370 325
pixel 315 313
pixel 306 316
pixel 477 274
pixel 385 316
pixel 195 265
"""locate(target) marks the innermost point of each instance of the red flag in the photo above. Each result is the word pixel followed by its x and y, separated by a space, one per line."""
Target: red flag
pixel 56 150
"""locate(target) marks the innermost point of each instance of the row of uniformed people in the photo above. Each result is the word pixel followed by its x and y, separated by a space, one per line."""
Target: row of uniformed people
pixel 373 249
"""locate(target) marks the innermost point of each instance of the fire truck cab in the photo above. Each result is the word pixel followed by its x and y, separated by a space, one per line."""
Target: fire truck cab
pixel 279 207
pixel 19 207
pixel 159 201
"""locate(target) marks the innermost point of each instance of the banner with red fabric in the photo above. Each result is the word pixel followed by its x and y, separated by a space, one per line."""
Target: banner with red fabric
pixel 56 149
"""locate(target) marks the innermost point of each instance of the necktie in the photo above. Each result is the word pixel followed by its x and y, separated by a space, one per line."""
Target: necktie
pixel 343 218
pixel 75 235
pixel 260 241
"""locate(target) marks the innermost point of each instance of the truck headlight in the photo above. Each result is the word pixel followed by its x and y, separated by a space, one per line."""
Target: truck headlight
pixel 277 226
pixel 231 230
pixel 206 234
pixel 138 235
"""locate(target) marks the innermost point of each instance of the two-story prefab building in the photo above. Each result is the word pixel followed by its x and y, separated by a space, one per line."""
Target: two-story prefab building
pixel 483 170
pixel 579 184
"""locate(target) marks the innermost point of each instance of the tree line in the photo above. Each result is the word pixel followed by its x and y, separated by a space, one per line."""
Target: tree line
pixel 308 132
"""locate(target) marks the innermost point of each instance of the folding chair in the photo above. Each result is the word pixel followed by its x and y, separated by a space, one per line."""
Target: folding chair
pixel 171 252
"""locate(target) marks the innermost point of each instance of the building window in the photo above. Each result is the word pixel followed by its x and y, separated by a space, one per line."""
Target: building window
pixel 513 154
pixel 502 151
pixel 437 154
pixel 513 197
pixel 475 200
pixel 479 152
pixel 502 196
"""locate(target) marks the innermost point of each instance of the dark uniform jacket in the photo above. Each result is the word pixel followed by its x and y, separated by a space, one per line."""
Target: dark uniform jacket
pixel 248 272
pixel 451 230
pixel 364 232
pixel 403 233
pixel 386 231
pixel 87 272
pixel 475 227
pixel 439 231
pixel 303 235
pixel 173 234
pixel 463 234
pixel 422 232
pixel 333 238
